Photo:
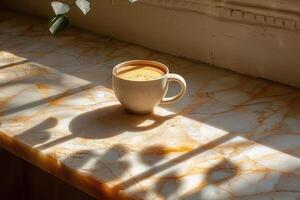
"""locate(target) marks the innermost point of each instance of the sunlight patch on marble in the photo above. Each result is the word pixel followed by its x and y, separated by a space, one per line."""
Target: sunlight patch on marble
pixel 9 58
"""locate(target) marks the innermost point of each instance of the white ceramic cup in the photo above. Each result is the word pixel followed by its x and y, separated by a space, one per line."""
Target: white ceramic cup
pixel 141 97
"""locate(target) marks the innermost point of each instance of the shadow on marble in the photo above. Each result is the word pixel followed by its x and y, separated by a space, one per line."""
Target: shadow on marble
pixel 39 133
pixel 108 166
pixel 215 176
pixel 165 186
pixel 13 64
pixel 153 154
pixel 108 122
pixel 175 161
pixel 168 186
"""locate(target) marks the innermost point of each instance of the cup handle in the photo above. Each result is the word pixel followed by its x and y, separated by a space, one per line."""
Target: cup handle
pixel 179 79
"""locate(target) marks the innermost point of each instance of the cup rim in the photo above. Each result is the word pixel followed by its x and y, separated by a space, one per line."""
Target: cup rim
pixel 149 62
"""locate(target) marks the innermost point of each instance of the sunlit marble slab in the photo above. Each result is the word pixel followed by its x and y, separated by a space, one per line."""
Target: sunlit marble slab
pixel 231 137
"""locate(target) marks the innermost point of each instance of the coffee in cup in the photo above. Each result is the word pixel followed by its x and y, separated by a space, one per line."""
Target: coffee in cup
pixel 140 73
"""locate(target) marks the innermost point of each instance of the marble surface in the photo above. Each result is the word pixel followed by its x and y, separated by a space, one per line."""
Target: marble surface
pixel 231 137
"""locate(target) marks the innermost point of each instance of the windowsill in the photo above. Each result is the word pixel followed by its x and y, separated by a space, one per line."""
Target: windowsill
pixel 231 134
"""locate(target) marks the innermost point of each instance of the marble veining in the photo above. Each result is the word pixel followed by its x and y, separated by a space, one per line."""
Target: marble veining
pixel 231 137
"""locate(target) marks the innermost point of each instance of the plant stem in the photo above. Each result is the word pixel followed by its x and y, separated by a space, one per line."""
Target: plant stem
pixel 72 4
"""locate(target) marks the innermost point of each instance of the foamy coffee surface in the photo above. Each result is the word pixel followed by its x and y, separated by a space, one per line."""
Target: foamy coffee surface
pixel 140 73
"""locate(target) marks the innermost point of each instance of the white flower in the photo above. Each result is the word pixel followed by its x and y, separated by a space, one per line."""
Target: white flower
pixel 84 6
pixel 59 7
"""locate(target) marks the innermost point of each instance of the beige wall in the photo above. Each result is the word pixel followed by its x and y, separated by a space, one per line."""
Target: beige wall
pixel 259 40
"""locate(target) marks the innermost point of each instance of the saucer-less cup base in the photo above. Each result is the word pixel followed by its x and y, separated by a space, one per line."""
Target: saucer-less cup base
pixel 142 97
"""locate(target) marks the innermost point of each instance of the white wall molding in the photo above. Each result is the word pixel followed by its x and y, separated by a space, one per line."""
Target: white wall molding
pixel 259 12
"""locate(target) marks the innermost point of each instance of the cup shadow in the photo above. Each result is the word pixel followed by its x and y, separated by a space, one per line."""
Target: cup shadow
pixel 109 121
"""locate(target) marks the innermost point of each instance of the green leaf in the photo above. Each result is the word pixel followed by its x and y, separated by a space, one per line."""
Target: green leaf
pixel 52 19
pixel 57 23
